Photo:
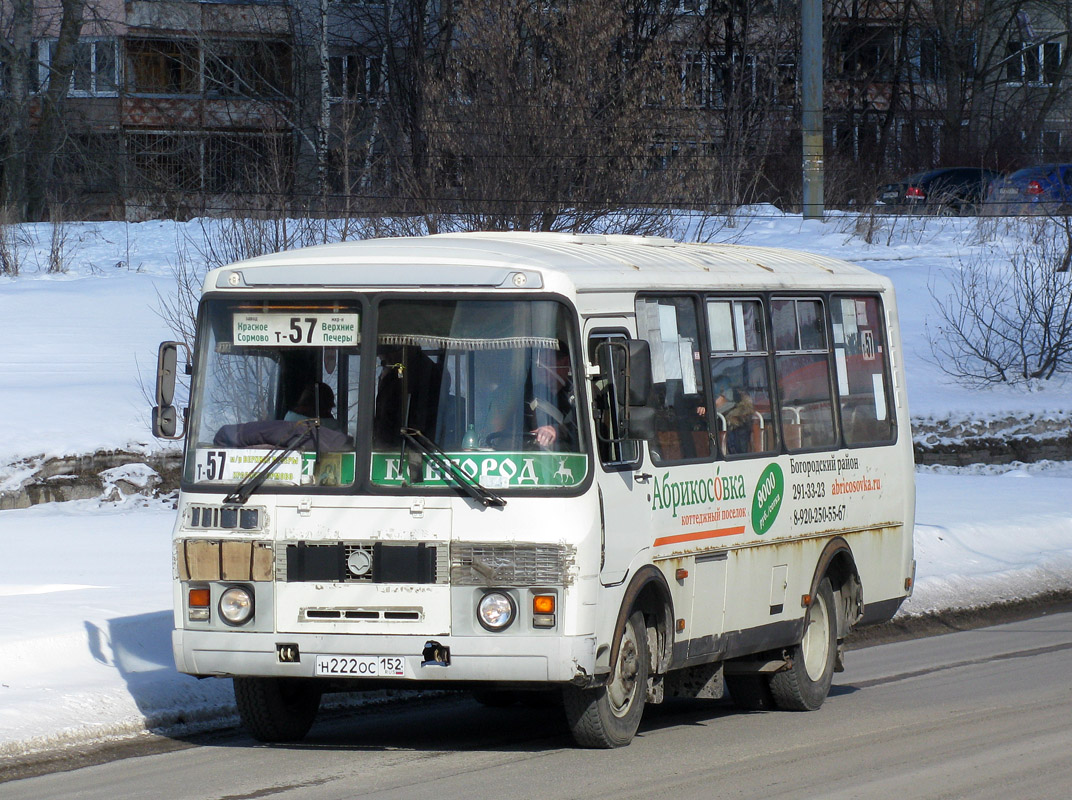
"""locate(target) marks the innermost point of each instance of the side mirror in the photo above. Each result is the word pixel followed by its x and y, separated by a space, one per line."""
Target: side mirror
pixel 638 373
pixel 165 417
pixel 165 422
pixel 167 359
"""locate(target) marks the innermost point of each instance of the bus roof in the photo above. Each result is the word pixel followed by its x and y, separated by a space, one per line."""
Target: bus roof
pixel 553 261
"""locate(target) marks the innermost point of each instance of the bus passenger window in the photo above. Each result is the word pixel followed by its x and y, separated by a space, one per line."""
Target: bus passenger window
pixel 860 360
pixel 740 377
pixel 669 324
pixel 802 368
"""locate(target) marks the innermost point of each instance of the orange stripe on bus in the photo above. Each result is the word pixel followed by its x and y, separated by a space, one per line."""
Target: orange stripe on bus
pixel 692 537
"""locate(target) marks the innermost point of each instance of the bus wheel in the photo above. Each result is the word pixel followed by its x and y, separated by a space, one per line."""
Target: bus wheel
pixel 609 716
pixel 277 709
pixel 804 686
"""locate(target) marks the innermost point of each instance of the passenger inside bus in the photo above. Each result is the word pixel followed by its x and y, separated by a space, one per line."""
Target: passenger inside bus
pixel 407 393
pixel 736 415
pixel 316 400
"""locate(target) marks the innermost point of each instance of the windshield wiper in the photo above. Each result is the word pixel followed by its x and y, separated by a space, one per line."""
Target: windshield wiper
pixel 435 453
pixel 259 474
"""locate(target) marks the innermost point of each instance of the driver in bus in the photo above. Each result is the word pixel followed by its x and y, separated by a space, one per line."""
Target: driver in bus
pixel 544 412
pixel 551 408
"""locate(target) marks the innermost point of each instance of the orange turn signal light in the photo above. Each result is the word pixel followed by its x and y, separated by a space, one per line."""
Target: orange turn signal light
pixel 543 604
pixel 199 598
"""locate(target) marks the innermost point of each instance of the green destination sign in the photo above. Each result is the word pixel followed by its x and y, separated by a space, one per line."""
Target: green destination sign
pixel 491 469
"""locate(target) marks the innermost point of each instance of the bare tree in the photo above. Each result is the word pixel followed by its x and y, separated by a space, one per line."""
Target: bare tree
pixel 1008 321
pixel 16 44
pixel 550 117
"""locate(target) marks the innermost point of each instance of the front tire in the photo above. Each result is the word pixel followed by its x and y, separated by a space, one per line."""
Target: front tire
pixel 277 709
pixel 609 715
pixel 804 686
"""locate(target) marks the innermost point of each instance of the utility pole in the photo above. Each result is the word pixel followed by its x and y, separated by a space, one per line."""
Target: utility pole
pixel 811 84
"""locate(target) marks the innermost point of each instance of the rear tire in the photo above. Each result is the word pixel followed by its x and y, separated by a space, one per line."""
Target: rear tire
pixel 609 715
pixel 277 709
pixel 804 686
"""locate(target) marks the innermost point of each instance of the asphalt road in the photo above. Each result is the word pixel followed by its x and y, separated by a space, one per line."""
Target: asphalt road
pixel 984 713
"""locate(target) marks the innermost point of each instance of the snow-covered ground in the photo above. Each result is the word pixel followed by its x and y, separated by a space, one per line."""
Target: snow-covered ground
pixel 85 586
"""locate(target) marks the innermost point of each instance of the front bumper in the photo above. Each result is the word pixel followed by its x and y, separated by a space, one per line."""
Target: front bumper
pixel 538 659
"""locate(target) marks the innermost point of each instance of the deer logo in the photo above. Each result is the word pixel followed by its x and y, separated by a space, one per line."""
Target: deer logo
pixel 563 472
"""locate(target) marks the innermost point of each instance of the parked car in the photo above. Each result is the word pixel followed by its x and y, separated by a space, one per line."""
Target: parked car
pixel 1044 189
pixel 950 190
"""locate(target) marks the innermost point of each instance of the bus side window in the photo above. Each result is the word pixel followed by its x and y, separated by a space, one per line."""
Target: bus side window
pixel 670 326
pixel 802 367
pixel 607 412
pixel 861 362
pixel 740 377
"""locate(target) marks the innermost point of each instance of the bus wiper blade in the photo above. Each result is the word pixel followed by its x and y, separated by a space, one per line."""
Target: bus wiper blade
pixel 434 452
pixel 259 474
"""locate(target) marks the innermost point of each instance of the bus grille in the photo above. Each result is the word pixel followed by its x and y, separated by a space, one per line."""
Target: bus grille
pixel 363 562
pixel 510 564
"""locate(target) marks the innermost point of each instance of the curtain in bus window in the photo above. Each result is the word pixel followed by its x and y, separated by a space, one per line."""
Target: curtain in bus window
pixel 473 374
pixel 739 377
pixel 860 360
pixel 803 373
pixel 670 326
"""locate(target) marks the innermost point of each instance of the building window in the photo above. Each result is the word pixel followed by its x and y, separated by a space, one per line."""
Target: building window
pixel 356 77
pixel 163 66
pixel 1051 144
pixel 221 163
pixel 685 6
pixel 712 80
pixel 1038 64
pixel 254 162
pixel 247 68
pixel 96 65
pixel 697 79
pixel 863 52
pixel 165 161
pixel 925 54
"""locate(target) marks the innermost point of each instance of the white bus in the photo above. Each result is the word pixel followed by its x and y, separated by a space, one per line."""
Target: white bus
pixel 617 468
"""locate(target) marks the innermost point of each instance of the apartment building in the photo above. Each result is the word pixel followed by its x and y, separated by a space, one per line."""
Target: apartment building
pixel 184 107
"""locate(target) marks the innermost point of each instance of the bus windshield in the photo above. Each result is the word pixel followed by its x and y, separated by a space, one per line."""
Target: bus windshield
pixel 276 376
pixel 487 383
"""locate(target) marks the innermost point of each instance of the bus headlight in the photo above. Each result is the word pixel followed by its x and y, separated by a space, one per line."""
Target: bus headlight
pixel 496 610
pixel 236 605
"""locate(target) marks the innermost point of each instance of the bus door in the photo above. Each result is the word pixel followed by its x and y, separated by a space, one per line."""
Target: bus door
pixel 623 486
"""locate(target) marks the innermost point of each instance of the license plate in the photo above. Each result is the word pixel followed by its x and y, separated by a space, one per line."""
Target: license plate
pixel 890 195
pixel 361 666
pixel 1008 191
